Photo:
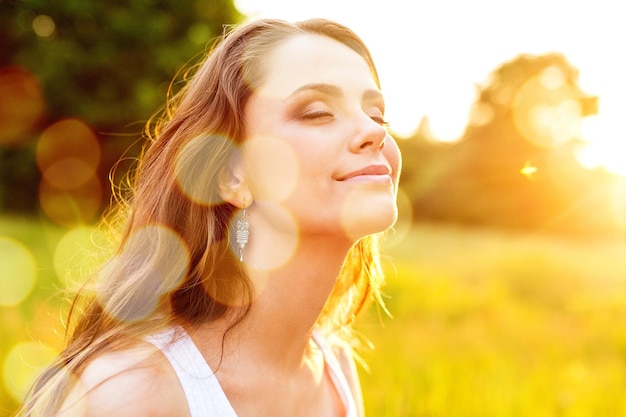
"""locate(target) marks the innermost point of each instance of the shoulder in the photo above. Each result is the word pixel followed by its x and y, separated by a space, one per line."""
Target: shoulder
pixel 131 382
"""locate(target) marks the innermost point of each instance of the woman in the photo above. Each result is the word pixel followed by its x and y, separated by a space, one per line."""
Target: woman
pixel 249 244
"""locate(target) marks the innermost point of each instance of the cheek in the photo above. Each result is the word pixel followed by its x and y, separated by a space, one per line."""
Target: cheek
pixel 272 168
pixel 392 154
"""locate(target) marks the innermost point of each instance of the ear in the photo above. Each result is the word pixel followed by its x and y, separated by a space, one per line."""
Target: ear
pixel 232 185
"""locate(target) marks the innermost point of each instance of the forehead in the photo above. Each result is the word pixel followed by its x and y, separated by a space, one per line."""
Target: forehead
pixel 310 59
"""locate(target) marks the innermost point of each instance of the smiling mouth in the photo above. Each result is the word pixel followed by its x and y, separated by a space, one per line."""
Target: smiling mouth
pixel 377 174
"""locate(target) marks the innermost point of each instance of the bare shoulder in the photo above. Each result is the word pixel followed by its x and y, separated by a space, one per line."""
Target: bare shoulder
pixel 131 382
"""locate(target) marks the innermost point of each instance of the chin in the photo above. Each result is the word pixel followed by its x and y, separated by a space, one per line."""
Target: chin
pixel 369 220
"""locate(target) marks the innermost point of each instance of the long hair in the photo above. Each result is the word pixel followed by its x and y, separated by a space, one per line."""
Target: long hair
pixel 174 262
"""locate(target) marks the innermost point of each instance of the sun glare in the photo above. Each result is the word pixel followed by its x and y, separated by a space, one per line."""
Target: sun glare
pixel 605 144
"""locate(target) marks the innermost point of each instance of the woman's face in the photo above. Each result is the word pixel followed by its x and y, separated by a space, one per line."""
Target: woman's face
pixel 317 154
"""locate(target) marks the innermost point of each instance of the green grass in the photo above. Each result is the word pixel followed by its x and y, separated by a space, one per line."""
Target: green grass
pixel 485 324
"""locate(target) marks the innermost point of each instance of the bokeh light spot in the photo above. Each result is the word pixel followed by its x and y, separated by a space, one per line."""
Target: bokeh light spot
pixel 22 104
pixel 18 272
pixel 43 26
pixel 68 139
pixel 75 255
pixel 195 168
pixel 78 205
pixel 153 262
pixel 24 362
pixel 552 77
pixel 275 166
pixel 68 173
pixel 547 117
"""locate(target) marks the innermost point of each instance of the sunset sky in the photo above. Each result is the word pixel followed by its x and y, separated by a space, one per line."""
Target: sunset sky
pixel 431 54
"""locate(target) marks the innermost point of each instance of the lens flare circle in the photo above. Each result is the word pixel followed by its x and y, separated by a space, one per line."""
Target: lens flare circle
pixel 18 272
pixel 275 165
pixel 153 262
pixel 546 111
pixel 68 139
pixel 196 167
pixel 22 364
pixel 78 205
pixel 68 173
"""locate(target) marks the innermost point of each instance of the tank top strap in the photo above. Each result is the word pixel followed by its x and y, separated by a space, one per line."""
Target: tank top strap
pixel 337 374
pixel 205 396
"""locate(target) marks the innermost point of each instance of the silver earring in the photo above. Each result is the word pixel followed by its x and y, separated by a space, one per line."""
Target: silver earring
pixel 242 233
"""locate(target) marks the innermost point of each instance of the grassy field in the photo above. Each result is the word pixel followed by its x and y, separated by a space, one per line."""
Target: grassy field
pixel 485 323
pixel 496 324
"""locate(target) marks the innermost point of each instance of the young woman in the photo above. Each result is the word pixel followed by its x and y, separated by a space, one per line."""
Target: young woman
pixel 250 241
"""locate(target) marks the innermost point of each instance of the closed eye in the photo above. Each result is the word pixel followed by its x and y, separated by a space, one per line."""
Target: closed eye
pixel 317 115
pixel 380 120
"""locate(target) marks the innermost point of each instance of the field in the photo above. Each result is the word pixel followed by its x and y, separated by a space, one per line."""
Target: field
pixel 495 324
pixel 485 323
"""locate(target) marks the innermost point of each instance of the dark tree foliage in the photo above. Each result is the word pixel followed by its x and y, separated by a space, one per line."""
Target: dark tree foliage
pixel 108 63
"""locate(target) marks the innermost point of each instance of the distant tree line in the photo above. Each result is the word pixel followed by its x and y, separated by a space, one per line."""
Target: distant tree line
pixel 516 164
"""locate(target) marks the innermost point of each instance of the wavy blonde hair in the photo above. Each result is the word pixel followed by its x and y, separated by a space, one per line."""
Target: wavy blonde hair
pixel 174 263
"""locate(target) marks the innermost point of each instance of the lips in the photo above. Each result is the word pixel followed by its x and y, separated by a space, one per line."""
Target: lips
pixel 371 171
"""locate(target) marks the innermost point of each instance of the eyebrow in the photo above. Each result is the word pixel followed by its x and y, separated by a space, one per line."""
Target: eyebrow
pixel 334 91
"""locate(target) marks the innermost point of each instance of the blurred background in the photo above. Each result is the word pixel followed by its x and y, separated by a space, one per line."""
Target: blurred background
pixel 507 269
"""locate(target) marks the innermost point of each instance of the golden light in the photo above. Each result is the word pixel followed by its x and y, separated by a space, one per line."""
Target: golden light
pixel 545 111
pixel 22 105
pixel 22 364
pixel 18 272
pixel 74 255
pixel 606 138
pixel 46 323
pixel 618 202
pixel 528 170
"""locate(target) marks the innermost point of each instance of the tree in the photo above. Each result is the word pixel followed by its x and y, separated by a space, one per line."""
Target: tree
pixel 515 165
pixel 108 64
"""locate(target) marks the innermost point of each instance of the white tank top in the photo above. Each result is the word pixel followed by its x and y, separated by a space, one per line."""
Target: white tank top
pixel 205 396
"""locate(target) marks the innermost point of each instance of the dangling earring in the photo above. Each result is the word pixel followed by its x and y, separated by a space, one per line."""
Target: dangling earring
pixel 242 233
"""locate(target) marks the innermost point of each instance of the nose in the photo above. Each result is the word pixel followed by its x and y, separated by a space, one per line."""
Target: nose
pixel 368 136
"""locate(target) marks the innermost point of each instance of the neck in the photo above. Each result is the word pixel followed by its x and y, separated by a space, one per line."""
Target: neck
pixel 289 299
